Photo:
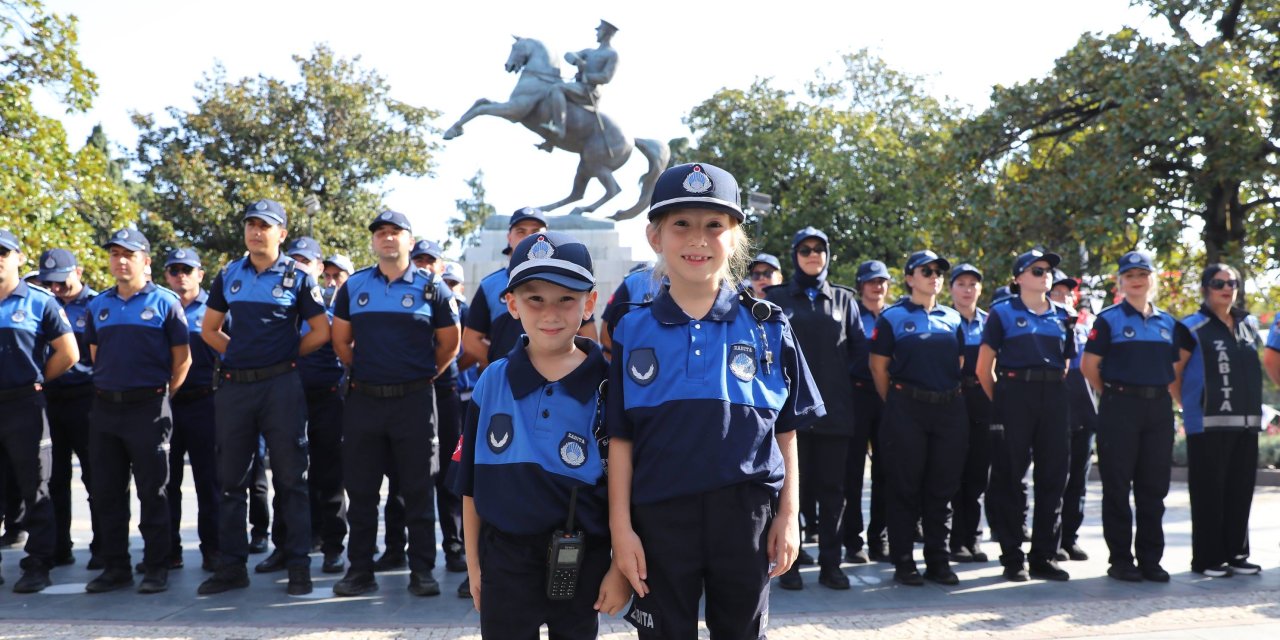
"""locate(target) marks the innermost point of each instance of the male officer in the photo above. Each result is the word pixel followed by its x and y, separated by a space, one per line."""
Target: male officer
pixel 385 318
pixel 30 321
pixel 491 332
pixel 260 392
pixel 70 396
pixel 428 255
pixel 337 268
pixel 193 416
pixel 138 336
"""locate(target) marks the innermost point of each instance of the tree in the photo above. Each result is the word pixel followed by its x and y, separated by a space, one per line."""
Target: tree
pixel 336 133
pixel 473 213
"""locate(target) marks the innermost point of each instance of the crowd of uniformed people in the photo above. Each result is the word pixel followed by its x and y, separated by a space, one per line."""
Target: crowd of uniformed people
pixel 723 417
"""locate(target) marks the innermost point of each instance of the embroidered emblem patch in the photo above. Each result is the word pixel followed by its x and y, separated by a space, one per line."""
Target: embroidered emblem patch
pixel 1129 332
pixel 697 181
pixel 261 206
pixel 642 366
pixel 1164 333
pixel 541 249
pixel 18 316
pixel 573 450
pixel 500 433
pixel 277 291
pixel 50 263
pixel 1021 322
pixel 235 286
pixel 1135 259
pixel 102 315
pixel 148 313
pixel 362 299
pixel 742 361
pixel 909 327
pixel 407 300
pixel 179 254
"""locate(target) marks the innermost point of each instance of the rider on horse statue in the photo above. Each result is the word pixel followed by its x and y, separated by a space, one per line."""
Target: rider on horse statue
pixel 595 67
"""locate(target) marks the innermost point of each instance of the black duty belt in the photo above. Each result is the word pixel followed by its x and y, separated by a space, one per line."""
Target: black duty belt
pixel 130 396
pixel 390 390
pixel 69 393
pixel 1033 375
pixel 246 376
pixel 1137 390
pixel 923 395
pixel 186 395
pixel 969 382
pixel 16 393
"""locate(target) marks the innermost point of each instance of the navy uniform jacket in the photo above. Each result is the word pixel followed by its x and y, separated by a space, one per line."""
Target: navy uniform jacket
pixel 30 318
pixel 204 360
pixel 82 371
pixel 703 400
pixel 394 323
pixel 488 315
pixel 972 341
pixel 135 337
pixel 528 442
pixel 1222 382
pixel 1135 350
pixel 267 312
pixel 861 366
pixel 924 347
pixel 1023 339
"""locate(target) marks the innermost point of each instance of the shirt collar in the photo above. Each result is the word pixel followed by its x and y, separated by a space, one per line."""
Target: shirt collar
pixel 1018 304
pixel 22 290
pixel 580 384
pixel 666 311
pixel 913 307
pixel 407 277
pixel 146 288
pixel 1237 313
pixel 85 293
pixel 201 298
pixel 1130 311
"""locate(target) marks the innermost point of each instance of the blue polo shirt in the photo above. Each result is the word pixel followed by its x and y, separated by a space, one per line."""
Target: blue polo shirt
pixel 267 312
pixel 135 337
pixel 320 368
pixel 972 341
pixel 203 358
pixel 30 318
pixel 1024 339
pixel 1222 382
pixel 82 371
pixel 1135 350
pixel 489 315
pixel 861 366
pixel 637 287
pixel 702 400
pixel 528 442
pixel 394 323
pixel 924 347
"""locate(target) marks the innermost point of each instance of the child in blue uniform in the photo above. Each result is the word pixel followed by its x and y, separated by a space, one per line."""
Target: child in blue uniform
pixel 529 458
pixel 707 387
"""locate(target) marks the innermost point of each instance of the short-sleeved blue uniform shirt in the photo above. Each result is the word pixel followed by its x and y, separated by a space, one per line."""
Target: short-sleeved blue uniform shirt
pixel 528 442
pixel 1135 349
pixel 702 400
pixel 135 337
pixel 394 323
pixel 972 341
pixel 489 315
pixel 203 358
pixel 82 371
pixel 29 319
pixel 924 347
pixel 1024 339
pixel 268 310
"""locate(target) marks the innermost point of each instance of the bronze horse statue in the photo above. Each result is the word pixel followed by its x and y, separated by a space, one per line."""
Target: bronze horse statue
pixel 594 136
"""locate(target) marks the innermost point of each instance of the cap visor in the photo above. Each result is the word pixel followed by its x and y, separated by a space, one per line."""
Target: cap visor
pixel 569 282
pixel 714 204
pixel 54 276
pixel 128 246
pixel 265 217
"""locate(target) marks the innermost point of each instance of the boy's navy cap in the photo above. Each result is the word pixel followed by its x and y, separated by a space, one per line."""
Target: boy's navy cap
pixel 805 234
pixel 305 247
pixel 453 272
pixel 765 258
pixel 872 269
pixel 268 211
pixel 9 241
pixel 1022 262
pixel 921 258
pixel 527 213
pixel 558 258
pixel 130 239
pixel 188 257
pixel 1136 260
pixel 427 248
pixel 55 264
pixel 696 185
pixel 963 268
pixel 342 262
pixel 391 217
pixel 1061 277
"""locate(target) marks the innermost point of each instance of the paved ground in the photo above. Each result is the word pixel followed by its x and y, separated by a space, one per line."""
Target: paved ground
pixel 983 606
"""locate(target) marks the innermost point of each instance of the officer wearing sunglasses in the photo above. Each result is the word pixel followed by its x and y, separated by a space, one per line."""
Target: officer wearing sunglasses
pixel 764 271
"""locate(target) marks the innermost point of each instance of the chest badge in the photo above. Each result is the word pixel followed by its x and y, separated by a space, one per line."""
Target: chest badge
pixel 742 361
pixel 1164 333
pixel 148 313
pixel 407 300
pixel 1021 322
pixel 573 450
pixel 103 315
pixel 362 299
pixel 80 322
pixel 235 286
pixel 1130 332
pixel 277 291
pixel 19 316
pixel 500 433
pixel 642 366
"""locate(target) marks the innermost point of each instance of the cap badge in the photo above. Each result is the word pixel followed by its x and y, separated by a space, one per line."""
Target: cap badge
pixel 541 249
pixel 302 244
pixel 122 234
pixel 261 206
pixel 386 215
pixel 1135 258
pixel 50 263
pixel 697 181
pixel 179 254
pixel 1036 253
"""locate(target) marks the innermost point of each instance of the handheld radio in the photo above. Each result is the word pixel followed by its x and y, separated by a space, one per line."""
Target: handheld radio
pixel 564 557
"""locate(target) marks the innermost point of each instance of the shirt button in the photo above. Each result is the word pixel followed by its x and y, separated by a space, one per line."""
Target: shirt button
pixel 697 352
pixel 697 325
pixel 549 392
pixel 546 413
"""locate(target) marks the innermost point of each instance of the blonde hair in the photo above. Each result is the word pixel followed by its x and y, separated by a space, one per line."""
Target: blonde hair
pixel 735 267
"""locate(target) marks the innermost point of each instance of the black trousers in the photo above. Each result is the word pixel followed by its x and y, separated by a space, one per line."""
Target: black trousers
pixel 924 448
pixel 822 469
pixel 25 450
pixel 513 589
pixel 1135 453
pixel 1221 471
pixel 124 440
pixel 713 541
pixel 448 504
pixel 193 438
pixel 259 493
pixel 966 506
pixel 325 408
pixel 68 413
pixel 868 410
pixel 1034 416
pixel 383 435
pixel 1083 420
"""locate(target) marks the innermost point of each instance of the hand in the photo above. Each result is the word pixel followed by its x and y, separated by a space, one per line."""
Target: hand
pixel 614 592
pixel 473 579
pixel 783 543
pixel 628 557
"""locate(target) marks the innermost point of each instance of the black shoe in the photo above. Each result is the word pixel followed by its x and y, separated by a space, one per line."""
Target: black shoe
pixel 1076 553
pixel 355 583
pixel 64 560
pixel 299 581
pixel 857 557
pixel 1244 567
pixel 978 554
pixel 32 581
pixel 833 578
pixel 1048 570
pixel 1061 555
pixel 272 564
pixel 209 562
pixel 908 575
pixel 422 584
pixel 791 580
pixel 110 580
pixel 962 555
pixel 942 575
pixel 878 552
pixel 1219 571
pixel 464 589
pixel 258 544
pixel 95 564
pixel 13 538
pixel 226 578
pixel 804 559
pixel 1124 573
pixel 155 581
pixel 1015 573
pixel 1154 573
pixel 455 563
pixel 176 562
pixel 390 561
pixel 333 563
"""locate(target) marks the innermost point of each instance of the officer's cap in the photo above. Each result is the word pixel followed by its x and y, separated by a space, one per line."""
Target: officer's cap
pixel 964 268
pixel 453 272
pixel 527 213
pixel 268 211
pixel 1136 260
pixel 765 258
pixel 1024 261
pixel 185 256
pixel 805 234
pixel 392 218
pixel 1061 277
pixel 1001 293
pixel 9 241
pixel 340 261
pixel 305 247
pixel 56 264
pixel 608 26
pixel 558 258
pixel 129 239
pixel 427 248
pixel 32 277
pixel 872 269
pixel 921 258
pixel 695 185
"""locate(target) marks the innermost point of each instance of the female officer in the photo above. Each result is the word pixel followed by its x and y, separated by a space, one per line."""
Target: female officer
pixel 873 291
pixel 1029 337
pixel 1082 418
pixel 1221 398
pixel 1130 357
pixel 966 506
pixel 916 354
pixel 706 390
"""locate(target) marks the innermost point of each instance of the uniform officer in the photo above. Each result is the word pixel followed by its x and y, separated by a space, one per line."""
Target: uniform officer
pixel 428 254
pixel 1030 339
pixel 638 286
pixel 385 318
pixel 454 277
pixel 260 392
pixel 70 396
pixel 138 336
pixel 764 271
pixel 1082 419
pixel 1130 357
pixel 873 280
pixel 193 416
pixel 966 506
pixel 491 332
pixel 337 268
pixel 36 344
pixel 916 353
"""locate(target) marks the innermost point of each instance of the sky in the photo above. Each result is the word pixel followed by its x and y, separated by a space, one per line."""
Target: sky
pixel 148 56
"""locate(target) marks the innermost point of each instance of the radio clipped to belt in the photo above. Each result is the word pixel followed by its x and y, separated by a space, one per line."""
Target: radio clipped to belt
pixel 564 556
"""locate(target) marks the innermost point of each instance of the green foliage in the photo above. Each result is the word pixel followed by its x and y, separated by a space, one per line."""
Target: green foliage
pixel 473 212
